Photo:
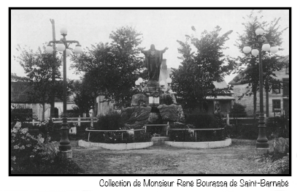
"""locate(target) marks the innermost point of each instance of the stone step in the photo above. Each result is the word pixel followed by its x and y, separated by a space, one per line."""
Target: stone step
pixel 159 140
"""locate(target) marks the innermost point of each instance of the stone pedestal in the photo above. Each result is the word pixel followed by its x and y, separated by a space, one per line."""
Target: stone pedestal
pixel 261 151
pixel 65 154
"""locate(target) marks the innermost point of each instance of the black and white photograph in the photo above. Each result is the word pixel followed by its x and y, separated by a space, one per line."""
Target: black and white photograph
pixel 158 91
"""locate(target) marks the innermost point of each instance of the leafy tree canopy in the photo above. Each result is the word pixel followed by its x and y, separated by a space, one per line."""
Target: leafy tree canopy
pixel 111 69
pixel 38 68
pixel 271 62
pixel 193 80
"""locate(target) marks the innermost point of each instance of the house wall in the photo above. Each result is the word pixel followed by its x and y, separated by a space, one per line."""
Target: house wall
pixel 59 106
pixel 103 107
pixel 239 90
pixel 37 109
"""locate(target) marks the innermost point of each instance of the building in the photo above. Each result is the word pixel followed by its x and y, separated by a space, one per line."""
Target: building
pixel 279 96
pixel 20 98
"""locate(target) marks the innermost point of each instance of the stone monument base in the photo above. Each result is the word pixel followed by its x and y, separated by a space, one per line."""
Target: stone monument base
pixel 153 86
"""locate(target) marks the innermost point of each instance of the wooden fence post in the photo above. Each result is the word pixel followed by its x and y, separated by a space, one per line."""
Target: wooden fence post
pixel 92 121
pixel 167 131
pixel 227 119
pixel 79 121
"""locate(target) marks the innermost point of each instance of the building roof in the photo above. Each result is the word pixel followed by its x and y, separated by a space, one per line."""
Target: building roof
pixel 238 79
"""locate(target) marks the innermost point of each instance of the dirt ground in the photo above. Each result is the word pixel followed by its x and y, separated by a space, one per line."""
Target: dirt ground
pixel 239 158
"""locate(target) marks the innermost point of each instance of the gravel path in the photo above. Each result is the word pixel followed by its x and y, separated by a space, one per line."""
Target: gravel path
pixel 239 158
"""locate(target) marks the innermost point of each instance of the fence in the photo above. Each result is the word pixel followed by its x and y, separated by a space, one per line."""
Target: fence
pixel 240 120
pixel 77 120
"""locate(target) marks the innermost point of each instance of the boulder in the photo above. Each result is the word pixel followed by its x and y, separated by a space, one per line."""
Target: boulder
pixel 171 113
pixel 281 145
pixel 126 113
pixel 135 117
pixel 139 99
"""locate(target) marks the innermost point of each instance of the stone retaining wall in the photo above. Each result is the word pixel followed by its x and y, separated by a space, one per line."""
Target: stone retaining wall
pixel 115 146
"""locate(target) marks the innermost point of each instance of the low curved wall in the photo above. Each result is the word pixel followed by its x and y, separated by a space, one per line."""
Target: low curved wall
pixel 116 146
pixel 204 144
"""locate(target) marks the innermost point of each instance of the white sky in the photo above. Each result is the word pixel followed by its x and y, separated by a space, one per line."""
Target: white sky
pixel 159 27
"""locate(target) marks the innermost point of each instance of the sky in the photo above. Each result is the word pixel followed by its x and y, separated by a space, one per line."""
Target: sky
pixel 162 28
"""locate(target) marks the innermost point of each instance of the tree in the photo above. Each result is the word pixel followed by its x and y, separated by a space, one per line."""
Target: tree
pixel 193 80
pixel 83 97
pixel 271 63
pixel 112 69
pixel 38 68
pixel 238 110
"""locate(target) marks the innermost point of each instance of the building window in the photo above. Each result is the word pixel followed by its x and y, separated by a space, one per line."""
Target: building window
pixel 276 105
pixel 286 87
pixel 276 88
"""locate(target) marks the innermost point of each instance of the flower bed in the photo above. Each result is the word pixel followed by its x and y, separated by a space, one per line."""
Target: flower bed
pixel 197 134
pixel 32 154
pixel 118 136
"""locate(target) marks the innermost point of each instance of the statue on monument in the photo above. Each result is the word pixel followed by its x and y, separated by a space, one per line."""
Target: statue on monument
pixel 153 60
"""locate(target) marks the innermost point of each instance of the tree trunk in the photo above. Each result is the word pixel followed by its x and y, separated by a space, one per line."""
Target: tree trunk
pixel 43 115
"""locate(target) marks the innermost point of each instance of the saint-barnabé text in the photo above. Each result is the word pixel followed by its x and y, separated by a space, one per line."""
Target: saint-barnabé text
pixel 192 183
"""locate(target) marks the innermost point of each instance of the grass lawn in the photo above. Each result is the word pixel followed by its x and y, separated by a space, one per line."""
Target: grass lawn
pixel 239 158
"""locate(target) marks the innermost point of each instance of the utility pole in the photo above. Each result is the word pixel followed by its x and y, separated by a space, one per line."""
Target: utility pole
pixel 53 70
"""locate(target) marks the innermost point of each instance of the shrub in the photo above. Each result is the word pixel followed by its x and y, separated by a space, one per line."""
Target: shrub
pixel 120 137
pixel 241 131
pixel 238 110
pixel 275 127
pixel 276 164
pixel 204 120
pixel 278 126
pixel 20 114
pixel 111 121
pixel 27 149
pixel 189 135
